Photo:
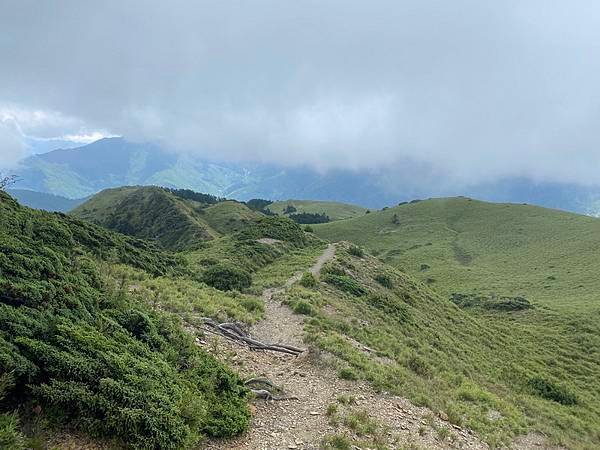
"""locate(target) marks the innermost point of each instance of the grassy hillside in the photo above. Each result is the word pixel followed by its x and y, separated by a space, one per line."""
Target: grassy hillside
pixel 546 255
pixel 229 216
pixel 81 350
pixel 527 274
pixel 496 374
pixel 335 210
pixel 159 214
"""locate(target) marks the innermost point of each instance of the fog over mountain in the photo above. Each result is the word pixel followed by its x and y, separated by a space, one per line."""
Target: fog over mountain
pixel 111 162
pixel 455 94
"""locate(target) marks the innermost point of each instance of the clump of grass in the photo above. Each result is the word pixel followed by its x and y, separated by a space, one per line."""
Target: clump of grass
pixel 332 409
pixel 346 399
pixel 336 442
pixel 303 307
pixel 355 250
pixel 11 436
pixel 347 373
pixel 361 423
pixel 227 277
pixel 308 280
pixel 384 280
pixel 443 433
pixel 418 365
pixel 345 283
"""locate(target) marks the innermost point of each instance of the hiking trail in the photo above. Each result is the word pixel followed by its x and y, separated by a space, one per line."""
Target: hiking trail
pixel 302 423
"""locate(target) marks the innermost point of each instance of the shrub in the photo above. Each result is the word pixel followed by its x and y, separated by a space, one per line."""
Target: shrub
pixel 347 373
pixel 355 250
pixel 303 307
pixel 305 218
pixel 333 269
pixel 280 228
pixel 424 267
pixel 226 277
pixel 360 422
pixel 258 204
pixel 309 229
pixel 345 283
pixel 308 280
pixel 389 304
pixel 92 356
pixel 418 365
pixel 492 303
pixel 384 280
pixel 336 442
pixel 551 391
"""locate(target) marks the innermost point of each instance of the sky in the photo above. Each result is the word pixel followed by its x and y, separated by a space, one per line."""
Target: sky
pixel 469 90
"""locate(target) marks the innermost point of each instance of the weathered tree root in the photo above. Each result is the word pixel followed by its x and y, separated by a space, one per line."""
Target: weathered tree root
pixel 235 333
pixel 266 394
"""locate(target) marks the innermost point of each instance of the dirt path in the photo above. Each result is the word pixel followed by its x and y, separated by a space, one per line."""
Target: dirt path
pixel 302 423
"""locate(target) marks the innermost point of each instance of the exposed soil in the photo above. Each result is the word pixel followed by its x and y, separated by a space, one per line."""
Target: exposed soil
pixel 302 423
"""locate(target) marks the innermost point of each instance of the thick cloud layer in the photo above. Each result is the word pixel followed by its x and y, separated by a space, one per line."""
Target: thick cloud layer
pixel 472 90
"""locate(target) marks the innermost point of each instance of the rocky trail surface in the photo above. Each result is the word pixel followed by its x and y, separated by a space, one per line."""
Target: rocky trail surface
pixel 303 423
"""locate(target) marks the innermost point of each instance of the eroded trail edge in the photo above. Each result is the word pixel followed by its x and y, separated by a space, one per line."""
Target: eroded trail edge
pixel 303 422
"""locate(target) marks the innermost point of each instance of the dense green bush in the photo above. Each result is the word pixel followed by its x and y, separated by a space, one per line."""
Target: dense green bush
pixel 94 358
pixel 258 204
pixel 384 280
pixel 551 391
pixel 308 280
pixel 289 209
pixel 347 373
pixel 188 194
pixel 280 228
pixel 345 283
pixel 492 302
pixel 302 307
pixel 309 218
pixel 227 277
pixel 355 250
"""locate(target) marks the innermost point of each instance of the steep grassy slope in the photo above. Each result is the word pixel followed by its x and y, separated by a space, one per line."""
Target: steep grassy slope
pixel 526 274
pixel 334 210
pixel 158 214
pixel 499 377
pixel 79 349
pixel 229 216
pixel 549 256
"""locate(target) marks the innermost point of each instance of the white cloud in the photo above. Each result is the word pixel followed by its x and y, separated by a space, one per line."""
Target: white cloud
pixel 12 148
pixel 473 90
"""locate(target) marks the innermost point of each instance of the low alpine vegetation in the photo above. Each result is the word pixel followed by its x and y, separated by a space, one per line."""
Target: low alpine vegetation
pixel 77 346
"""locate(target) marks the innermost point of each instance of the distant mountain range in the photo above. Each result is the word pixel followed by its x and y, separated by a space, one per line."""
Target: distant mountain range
pixel 43 200
pixel 75 173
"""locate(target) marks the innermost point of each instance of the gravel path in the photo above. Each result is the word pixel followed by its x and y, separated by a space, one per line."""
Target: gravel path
pixel 302 423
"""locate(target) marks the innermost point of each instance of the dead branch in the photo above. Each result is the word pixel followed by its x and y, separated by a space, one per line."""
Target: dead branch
pixel 235 333
pixel 260 380
pixel 263 394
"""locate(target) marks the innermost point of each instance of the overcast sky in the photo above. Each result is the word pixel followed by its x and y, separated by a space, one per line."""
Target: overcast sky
pixel 473 90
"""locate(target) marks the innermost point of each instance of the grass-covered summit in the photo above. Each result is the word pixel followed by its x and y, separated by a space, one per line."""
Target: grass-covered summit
pixel 546 255
pixel 333 210
pixel 177 219
pixel 77 350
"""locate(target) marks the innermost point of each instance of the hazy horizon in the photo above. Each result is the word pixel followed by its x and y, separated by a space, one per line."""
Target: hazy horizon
pixel 460 93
